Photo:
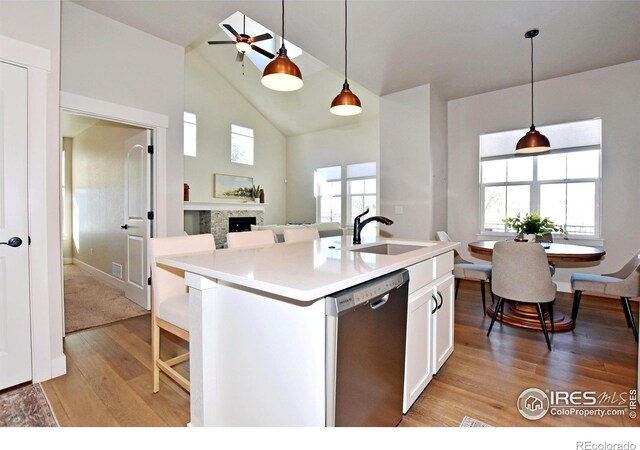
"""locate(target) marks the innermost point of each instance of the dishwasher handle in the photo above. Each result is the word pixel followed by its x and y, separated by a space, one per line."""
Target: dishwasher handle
pixel 380 302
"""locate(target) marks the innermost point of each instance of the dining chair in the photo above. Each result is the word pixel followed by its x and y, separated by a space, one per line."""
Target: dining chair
pixel 624 283
pixel 521 273
pixel 301 234
pixel 244 239
pixel 463 269
pixel 170 300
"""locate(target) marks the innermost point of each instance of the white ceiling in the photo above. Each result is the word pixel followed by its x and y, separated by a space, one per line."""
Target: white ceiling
pixel 462 47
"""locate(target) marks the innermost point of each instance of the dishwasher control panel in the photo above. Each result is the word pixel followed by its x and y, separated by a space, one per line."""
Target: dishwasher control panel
pixel 365 292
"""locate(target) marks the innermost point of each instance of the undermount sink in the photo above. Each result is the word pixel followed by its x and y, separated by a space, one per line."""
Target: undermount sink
pixel 388 249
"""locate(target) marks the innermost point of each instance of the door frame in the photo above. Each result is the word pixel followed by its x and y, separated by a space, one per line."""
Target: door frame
pixel 44 300
pixel 157 123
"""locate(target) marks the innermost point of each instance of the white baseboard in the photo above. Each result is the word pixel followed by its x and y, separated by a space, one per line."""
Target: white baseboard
pixel 109 279
pixel 59 366
pixel 67 260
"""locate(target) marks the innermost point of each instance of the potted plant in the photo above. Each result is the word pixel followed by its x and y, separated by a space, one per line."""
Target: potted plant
pixel 533 224
pixel 255 193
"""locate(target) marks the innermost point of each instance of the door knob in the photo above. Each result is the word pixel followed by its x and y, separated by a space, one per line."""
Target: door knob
pixel 13 242
pixel 124 227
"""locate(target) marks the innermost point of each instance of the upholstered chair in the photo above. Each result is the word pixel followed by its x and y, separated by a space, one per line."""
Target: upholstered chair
pixel 521 273
pixel 170 300
pixel 624 283
pixel 301 234
pixel 246 239
pixel 465 270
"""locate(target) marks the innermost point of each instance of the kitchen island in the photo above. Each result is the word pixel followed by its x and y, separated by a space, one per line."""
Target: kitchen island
pixel 257 317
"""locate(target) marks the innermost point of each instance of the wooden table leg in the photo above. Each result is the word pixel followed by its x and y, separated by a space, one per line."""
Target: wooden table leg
pixel 525 315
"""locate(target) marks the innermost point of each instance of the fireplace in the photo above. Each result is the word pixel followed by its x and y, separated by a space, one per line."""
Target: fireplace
pixel 241 223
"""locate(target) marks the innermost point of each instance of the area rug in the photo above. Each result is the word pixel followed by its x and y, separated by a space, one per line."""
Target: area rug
pixel 89 302
pixel 471 422
pixel 26 407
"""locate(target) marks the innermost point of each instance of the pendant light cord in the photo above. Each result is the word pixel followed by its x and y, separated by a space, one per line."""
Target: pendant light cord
pixel 532 126
pixel 282 24
pixel 345 41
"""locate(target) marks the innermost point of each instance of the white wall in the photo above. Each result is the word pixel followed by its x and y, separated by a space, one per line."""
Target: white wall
pixel 38 23
pixel 217 105
pixel 413 162
pixel 355 143
pixel 612 93
pixel 98 194
pixel 107 60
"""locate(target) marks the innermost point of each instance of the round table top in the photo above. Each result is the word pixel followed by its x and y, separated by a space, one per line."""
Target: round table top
pixel 555 253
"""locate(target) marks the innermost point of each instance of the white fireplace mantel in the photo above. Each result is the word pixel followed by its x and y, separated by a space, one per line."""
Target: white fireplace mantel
pixel 223 206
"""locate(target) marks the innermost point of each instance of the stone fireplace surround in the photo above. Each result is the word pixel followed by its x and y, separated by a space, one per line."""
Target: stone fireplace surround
pixel 214 217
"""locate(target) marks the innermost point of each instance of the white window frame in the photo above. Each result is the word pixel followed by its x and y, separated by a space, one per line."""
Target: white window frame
pixel 190 119
pixel 236 132
pixel 534 192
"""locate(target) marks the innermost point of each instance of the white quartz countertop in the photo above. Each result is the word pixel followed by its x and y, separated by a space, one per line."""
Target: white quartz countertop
pixel 304 271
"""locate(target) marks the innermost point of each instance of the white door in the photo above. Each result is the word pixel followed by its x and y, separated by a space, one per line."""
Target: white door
pixel 15 322
pixel 136 207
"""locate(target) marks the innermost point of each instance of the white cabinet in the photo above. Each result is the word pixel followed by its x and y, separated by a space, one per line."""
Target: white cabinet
pixel 442 323
pixel 429 324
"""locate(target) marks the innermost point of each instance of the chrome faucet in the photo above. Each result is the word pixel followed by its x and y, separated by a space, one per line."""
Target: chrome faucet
pixel 357 226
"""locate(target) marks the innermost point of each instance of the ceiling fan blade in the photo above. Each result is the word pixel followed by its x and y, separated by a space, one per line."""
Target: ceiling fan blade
pixel 221 42
pixel 240 57
pixel 262 37
pixel 263 52
pixel 230 28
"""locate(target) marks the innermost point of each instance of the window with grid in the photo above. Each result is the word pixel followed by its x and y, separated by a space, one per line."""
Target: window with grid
pixel 355 182
pixel 563 184
pixel 241 145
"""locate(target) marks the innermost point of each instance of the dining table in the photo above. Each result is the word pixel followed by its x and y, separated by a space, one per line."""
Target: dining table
pixel 525 315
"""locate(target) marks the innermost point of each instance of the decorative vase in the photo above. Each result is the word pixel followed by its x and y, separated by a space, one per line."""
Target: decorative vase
pixel 186 192
pixel 256 200
pixel 261 195
pixel 520 237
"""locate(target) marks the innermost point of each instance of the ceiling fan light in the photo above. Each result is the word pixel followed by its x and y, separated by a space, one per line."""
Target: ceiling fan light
pixel 346 103
pixel 282 74
pixel 243 47
pixel 533 142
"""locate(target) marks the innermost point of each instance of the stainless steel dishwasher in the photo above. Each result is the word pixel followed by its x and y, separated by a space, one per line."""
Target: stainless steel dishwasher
pixel 366 340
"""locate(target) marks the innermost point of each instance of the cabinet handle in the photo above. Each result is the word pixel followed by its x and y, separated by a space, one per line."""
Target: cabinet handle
pixel 433 311
pixel 441 299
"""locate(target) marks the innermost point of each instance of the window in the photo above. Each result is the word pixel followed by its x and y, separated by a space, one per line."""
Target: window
pixel 358 181
pixel 241 145
pixel 563 185
pixel 189 134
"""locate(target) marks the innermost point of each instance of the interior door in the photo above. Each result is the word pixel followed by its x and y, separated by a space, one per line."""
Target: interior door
pixel 15 321
pixel 136 206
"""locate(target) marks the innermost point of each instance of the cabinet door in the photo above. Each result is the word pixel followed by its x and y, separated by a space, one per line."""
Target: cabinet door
pixel 417 369
pixel 442 326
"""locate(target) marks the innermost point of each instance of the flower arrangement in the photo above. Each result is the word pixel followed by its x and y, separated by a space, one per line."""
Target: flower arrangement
pixel 532 223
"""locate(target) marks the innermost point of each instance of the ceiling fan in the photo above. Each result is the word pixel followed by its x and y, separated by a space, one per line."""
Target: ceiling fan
pixel 244 43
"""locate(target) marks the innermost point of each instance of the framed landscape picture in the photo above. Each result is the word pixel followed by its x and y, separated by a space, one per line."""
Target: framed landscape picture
pixel 231 186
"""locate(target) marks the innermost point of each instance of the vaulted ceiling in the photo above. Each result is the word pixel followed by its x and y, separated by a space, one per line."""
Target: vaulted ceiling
pixel 462 47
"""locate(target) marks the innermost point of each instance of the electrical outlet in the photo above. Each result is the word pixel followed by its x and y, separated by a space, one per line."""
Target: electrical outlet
pixel 399 210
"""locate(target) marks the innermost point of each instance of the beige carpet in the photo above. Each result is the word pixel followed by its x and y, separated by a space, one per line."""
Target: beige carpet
pixel 26 407
pixel 89 302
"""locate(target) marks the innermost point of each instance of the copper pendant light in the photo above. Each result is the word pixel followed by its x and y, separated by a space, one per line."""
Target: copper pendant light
pixel 533 141
pixel 282 74
pixel 346 102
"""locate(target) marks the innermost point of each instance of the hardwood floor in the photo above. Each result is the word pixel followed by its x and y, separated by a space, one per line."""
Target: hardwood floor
pixel 109 381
